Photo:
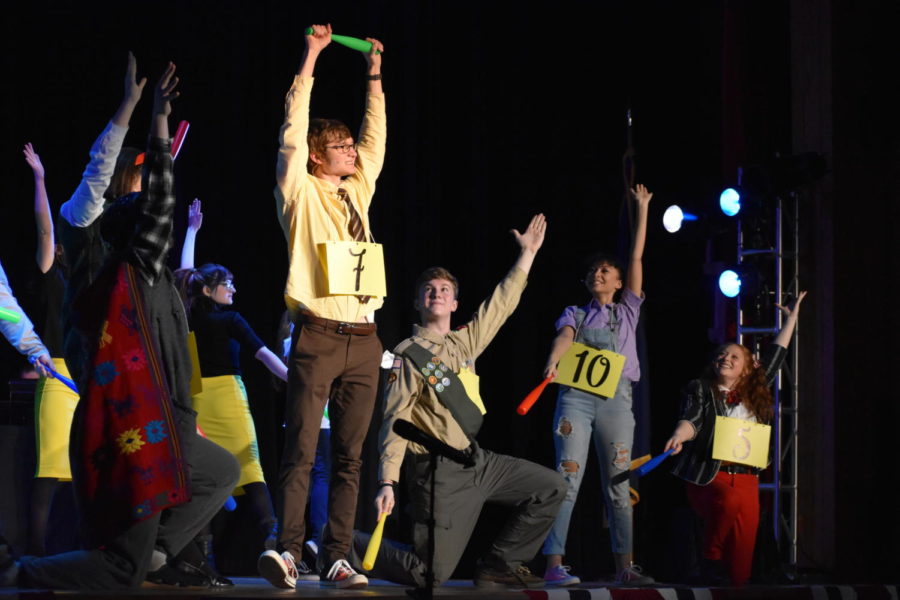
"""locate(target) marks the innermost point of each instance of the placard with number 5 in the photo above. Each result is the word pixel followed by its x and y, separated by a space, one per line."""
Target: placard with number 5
pixel 590 370
pixel 740 441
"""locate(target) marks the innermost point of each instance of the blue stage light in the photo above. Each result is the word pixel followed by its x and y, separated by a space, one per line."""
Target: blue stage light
pixel 730 283
pixel 730 202
pixel 674 217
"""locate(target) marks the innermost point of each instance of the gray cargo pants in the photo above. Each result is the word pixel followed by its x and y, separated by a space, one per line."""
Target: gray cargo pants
pixel 532 491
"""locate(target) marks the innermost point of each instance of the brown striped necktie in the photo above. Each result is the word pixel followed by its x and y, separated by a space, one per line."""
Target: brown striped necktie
pixel 356 227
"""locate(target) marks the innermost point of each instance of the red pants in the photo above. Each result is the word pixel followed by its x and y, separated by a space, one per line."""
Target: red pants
pixel 729 507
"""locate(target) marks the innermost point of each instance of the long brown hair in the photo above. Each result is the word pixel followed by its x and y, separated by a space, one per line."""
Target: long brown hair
pixel 126 171
pixel 751 388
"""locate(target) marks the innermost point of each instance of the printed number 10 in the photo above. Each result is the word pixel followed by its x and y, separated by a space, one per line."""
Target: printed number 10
pixel 604 362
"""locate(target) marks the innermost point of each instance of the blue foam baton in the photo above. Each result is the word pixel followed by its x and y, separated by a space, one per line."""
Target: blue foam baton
pixel 653 463
pixel 62 378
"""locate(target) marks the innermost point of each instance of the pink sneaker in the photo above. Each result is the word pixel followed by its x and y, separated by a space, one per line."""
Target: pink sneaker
pixel 560 575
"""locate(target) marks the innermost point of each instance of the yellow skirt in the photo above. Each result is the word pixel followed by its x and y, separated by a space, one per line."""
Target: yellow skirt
pixel 54 405
pixel 223 414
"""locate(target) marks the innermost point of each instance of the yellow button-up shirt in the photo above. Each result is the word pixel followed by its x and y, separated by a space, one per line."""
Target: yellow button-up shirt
pixel 310 210
pixel 407 395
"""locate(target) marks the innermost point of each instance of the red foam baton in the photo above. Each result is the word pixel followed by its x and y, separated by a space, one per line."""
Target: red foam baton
pixel 180 134
pixel 532 396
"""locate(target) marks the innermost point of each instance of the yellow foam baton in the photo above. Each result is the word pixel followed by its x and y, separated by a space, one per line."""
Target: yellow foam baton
pixel 374 543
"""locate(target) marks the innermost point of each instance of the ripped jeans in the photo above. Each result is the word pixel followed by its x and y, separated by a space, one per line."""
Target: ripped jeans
pixel 609 421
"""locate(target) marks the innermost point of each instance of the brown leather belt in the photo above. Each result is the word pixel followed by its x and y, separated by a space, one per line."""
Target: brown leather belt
pixel 339 327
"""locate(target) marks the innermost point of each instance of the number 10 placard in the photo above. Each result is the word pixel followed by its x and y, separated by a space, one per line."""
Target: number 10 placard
pixel 353 268
pixel 590 370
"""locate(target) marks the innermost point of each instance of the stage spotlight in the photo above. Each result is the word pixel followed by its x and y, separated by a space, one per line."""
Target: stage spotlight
pixel 674 217
pixel 730 202
pixel 730 283
pixel 743 279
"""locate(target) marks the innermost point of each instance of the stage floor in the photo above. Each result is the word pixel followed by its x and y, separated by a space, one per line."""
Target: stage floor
pixel 254 587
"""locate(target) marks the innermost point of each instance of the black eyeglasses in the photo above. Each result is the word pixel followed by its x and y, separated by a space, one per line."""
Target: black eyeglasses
pixel 343 148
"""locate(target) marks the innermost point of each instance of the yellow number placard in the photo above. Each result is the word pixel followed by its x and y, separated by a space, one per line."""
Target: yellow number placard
pixel 740 441
pixel 590 370
pixel 353 268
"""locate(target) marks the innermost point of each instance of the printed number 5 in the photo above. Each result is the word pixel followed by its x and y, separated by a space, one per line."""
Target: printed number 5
pixel 741 450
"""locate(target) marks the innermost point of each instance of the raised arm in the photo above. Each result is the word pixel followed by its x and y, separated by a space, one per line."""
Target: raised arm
pixel 86 203
pixel 46 243
pixel 195 221
pixel 372 139
pixel 635 277
pixel 791 312
pixel 153 232
pixel 493 312
pixel 373 60
pixel 293 149
pixel 530 242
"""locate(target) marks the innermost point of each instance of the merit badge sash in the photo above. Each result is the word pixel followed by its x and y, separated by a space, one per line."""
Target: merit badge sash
pixel 449 388
pixel 740 441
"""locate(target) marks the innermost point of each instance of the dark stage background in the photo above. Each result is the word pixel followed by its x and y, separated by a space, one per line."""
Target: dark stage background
pixel 497 112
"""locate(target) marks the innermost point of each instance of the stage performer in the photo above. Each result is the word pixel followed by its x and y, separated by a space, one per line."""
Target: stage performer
pixel 725 494
pixel 432 386
pixel 325 182
pixel 145 481
pixel 223 411
pixel 54 402
pixel 607 322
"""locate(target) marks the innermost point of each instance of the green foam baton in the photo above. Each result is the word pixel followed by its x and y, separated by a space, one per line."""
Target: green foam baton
pixel 351 42
pixel 8 315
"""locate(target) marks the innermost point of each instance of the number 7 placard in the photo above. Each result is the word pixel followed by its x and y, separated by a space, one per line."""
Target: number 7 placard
pixel 590 370
pixel 353 268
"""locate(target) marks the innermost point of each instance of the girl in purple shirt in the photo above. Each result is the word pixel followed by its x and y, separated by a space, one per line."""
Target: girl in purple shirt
pixel 581 416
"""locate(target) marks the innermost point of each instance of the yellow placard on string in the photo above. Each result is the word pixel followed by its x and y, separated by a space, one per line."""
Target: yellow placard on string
pixel 470 382
pixel 196 376
pixel 740 441
pixel 353 268
pixel 590 370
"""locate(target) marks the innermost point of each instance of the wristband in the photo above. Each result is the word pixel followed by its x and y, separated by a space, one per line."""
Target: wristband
pixel 376 77
pixel 390 484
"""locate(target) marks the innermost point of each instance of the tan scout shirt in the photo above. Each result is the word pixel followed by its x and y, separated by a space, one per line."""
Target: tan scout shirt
pixel 407 395
pixel 310 210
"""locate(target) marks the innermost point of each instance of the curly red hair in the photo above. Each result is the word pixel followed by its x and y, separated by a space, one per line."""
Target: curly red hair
pixel 751 388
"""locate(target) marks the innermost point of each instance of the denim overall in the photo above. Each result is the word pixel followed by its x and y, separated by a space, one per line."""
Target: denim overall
pixel 581 416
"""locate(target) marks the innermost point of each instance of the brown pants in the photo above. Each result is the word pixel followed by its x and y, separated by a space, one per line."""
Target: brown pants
pixel 325 363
